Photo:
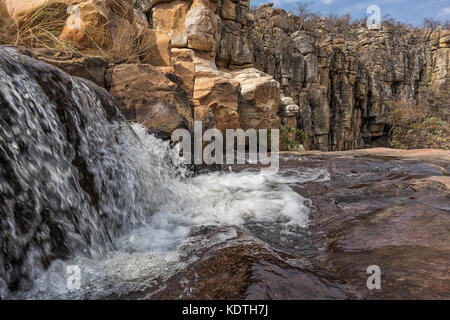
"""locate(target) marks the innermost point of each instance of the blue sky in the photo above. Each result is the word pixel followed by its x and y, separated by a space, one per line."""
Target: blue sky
pixel 409 11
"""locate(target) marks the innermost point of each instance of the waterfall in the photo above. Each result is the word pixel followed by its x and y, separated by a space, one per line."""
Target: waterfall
pixel 73 174
pixel 79 184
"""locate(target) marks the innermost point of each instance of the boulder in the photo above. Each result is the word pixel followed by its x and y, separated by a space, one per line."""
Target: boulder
pixel 304 43
pixel 218 102
pixel 94 29
pixel 16 8
pixel 146 95
pixel 156 47
pixel 88 67
pixel 260 99
pixel 203 28
pixel 183 60
pixel 108 25
pixel 171 18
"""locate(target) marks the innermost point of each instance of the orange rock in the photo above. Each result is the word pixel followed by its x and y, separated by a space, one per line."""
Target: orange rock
pixel 94 29
pixel 157 48
pixel 15 7
pixel 219 100
pixel 103 24
pixel 260 99
pixel 183 60
pixel 145 94
pixel 203 28
pixel 171 18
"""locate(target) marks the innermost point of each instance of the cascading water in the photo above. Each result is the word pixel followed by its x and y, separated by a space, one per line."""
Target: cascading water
pixel 73 173
pixel 79 185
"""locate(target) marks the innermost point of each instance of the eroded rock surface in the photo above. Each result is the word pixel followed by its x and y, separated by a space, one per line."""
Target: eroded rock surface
pixel 150 96
pixel 377 207
pixel 344 83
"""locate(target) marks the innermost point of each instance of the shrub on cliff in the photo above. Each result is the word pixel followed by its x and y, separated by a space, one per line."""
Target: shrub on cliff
pixel 421 126
pixel 431 23
pixel 308 20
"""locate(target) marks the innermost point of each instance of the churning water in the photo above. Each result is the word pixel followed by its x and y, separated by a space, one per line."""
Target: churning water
pixel 80 186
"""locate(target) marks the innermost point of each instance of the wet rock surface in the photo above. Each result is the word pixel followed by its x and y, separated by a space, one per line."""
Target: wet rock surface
pixel 378 207
pixel 70 177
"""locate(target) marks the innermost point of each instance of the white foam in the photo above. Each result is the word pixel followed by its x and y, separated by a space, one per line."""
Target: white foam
pixel 225 199
pixel 237 198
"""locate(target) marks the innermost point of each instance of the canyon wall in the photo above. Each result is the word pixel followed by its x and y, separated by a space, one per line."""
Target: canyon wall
pixel 345 82
pixel 173 62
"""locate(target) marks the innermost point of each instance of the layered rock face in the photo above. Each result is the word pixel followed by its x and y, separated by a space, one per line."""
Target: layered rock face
pixel 156 100
pixel 231 67
pixel 211 53
pixel 201 48
pixel 344 84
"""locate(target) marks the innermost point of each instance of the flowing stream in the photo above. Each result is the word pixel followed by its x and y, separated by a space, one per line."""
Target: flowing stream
pixel 93 207
pixel 81 187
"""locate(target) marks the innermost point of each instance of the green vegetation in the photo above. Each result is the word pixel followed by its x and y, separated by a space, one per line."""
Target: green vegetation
pixel 286 143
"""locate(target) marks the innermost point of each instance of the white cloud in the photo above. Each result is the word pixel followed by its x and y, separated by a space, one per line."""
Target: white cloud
pixel 445 11
pixel 327 1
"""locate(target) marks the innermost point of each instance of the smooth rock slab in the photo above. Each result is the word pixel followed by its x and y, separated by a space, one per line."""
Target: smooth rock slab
pixel 383 207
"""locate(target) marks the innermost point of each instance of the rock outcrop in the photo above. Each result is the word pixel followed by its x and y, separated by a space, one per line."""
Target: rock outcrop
pixel 107 27
pixel 345 83
pixel 150 96
pixel 84 66
pixel 260 68
pixel 204 41
pixel 339 87
pixel 211 53
pixel 260 99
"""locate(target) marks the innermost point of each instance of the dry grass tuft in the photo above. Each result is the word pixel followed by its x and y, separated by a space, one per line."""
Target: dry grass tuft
pixel 37 29
pixel 131 44
pixel 116 41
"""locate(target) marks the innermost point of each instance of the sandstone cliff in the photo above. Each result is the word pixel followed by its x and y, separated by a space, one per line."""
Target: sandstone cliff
pixel 346 82
pixel 170 63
